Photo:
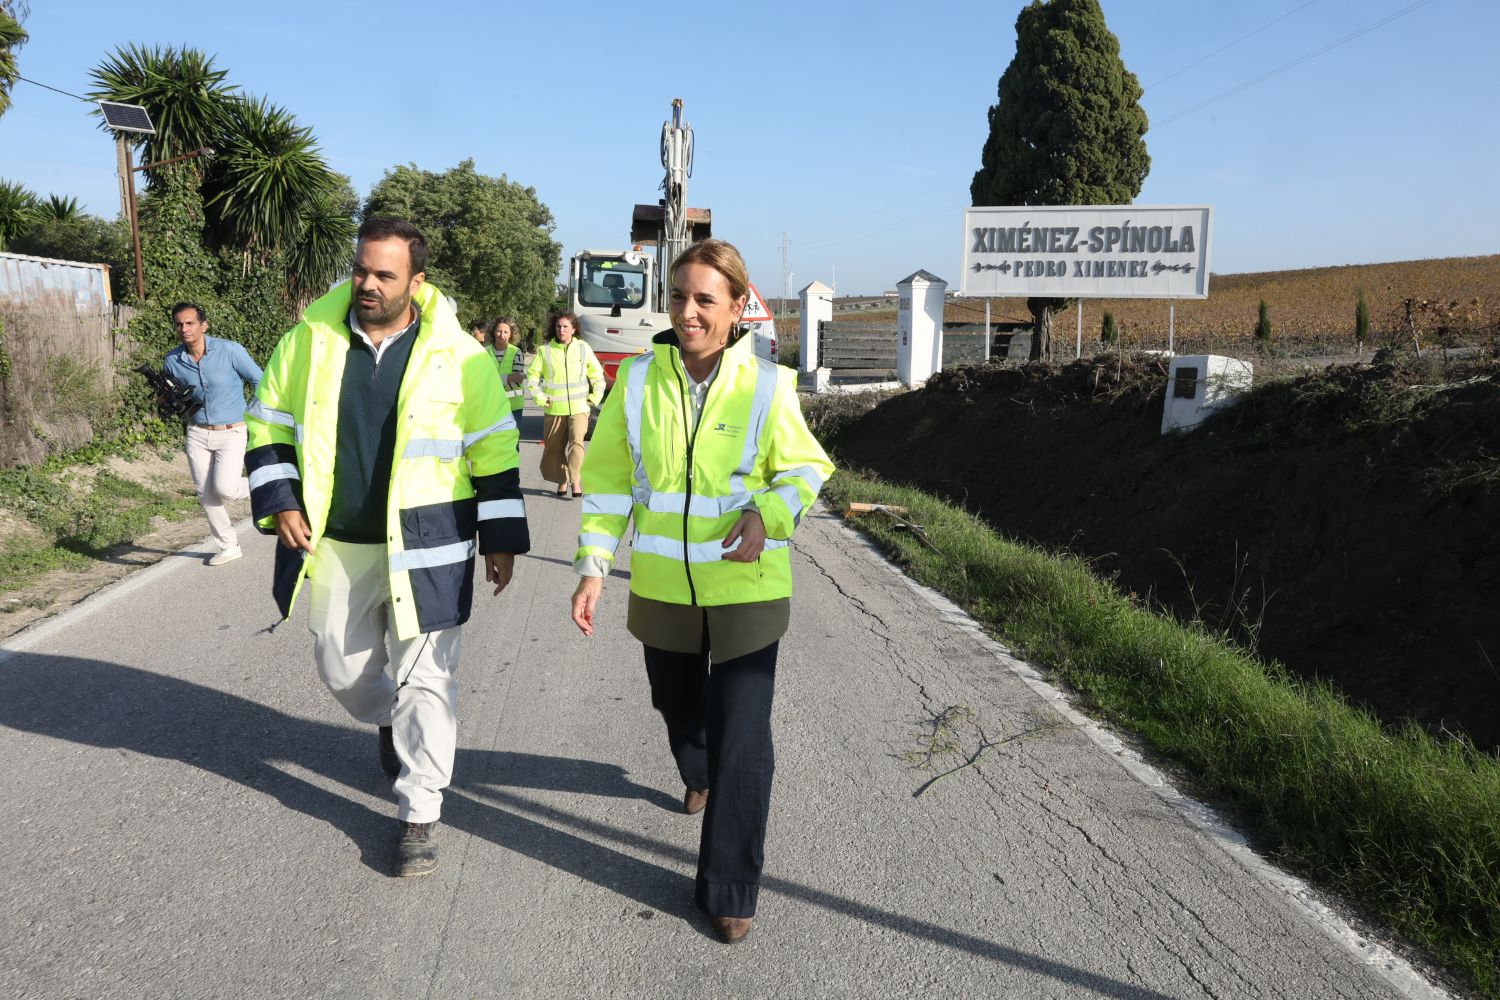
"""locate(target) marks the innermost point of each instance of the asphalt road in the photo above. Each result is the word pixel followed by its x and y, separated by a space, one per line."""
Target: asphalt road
pixel 189 814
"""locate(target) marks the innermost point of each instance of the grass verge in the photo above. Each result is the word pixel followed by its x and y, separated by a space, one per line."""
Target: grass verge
pixel 78 518
pixel 1404 824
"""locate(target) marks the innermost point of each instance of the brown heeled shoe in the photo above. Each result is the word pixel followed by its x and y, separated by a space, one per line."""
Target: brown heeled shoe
pixel 730 930
pixel 694 801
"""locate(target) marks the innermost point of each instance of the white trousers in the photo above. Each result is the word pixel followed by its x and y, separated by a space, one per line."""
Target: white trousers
pixel 409 685
pixel 217 461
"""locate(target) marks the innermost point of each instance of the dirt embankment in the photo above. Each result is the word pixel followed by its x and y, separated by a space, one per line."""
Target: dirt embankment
pixel 1345 522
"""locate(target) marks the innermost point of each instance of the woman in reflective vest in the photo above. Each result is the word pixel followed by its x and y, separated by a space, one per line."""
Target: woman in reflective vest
pixel 565 380
pixel 703 445
pixel 508 361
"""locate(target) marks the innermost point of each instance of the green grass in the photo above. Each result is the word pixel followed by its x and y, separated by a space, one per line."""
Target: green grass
pixel 77 525
pixel 1406 825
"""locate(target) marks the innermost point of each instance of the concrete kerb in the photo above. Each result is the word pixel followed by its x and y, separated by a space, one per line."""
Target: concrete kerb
pixel 1394 969
pixel 33 635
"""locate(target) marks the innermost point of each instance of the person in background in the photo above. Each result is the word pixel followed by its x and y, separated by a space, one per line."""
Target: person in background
pixel 218 371
pixel 565 379
pixel 509 359
pixel 476 330
pixel 703 444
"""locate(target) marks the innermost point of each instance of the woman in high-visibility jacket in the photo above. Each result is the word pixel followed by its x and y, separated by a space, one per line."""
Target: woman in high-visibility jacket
pixel 703 444
pixel 508 360
pixel 566 380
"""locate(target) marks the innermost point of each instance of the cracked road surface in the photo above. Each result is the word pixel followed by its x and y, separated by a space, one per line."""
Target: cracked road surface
pixel 191 815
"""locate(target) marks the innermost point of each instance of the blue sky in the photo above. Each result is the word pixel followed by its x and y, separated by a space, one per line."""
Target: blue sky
pixel 852 127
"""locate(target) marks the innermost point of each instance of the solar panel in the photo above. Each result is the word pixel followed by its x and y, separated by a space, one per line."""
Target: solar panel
pixel 126 117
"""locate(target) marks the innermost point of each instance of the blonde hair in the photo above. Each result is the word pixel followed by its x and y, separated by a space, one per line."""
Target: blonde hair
pixel 722 257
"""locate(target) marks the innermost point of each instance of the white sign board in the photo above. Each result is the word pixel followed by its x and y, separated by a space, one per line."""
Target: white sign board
pixel 1087 252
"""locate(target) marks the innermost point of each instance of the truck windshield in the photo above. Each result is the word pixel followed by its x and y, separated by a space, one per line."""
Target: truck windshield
pixel 611 283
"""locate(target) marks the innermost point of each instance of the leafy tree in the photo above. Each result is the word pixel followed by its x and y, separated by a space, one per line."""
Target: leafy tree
pixel 267 195
pixel 19 211
pixel 1263 324
pixel 1068 127
pixel 1109 332
pixel 490 239
pixel 12 37
pixel 176 263
pixel 1361 322
pixel 243 304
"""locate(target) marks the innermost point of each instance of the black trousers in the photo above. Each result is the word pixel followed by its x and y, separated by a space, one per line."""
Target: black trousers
pixel 719 728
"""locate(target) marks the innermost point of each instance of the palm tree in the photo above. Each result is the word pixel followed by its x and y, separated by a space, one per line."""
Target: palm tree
pixel 324 249
pixel 267 173
pixel 18 211
pixel 59 208
pixel 185 95
pixel 12 37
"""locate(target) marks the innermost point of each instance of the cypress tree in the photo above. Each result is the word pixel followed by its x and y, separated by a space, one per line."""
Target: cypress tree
pixel 1263 323
pixel 1068 127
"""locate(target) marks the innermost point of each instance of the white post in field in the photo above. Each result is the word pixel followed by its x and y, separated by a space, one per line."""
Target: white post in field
pixel 986 330
pixel 817 306
pixel 919 352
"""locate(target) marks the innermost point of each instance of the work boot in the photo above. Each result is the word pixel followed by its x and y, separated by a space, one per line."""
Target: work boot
pixel 389 762
pixel 416 851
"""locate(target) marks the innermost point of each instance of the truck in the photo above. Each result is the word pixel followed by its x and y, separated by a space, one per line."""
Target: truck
pixel 620 296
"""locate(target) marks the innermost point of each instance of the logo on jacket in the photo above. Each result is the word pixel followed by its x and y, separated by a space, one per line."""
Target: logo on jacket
pixel 733 430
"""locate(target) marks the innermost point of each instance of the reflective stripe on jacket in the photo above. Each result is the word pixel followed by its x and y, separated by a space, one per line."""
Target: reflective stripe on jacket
pixel 455 470
pixel 687 485
pixel 565 378
pixel 509 363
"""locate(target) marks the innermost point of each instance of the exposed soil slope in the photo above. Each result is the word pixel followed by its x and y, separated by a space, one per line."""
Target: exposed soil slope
pixel 1346 520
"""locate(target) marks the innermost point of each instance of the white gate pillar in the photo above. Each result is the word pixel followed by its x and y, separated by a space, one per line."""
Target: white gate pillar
pixel 817 306
pixel 919 352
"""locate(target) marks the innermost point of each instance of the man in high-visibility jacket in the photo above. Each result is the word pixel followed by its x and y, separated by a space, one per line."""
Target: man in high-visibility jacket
pixel 380 446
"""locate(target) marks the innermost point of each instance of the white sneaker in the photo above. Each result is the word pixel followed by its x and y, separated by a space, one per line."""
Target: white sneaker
pixel 224 556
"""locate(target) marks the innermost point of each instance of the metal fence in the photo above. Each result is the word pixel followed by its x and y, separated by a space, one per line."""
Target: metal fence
pixel 57 355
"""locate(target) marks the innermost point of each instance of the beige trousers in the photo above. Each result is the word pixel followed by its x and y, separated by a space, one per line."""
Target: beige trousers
pixel 217 461
pixel 563 447
pixel 410 685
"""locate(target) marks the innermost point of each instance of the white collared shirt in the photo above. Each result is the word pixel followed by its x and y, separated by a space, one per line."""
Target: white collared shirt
pixel 698 391
pixel 389 339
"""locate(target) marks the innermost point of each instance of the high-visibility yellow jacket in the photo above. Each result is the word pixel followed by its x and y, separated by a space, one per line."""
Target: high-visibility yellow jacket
pixel 454 472
pixel 686 485
pixel 509 363
pixel 565 378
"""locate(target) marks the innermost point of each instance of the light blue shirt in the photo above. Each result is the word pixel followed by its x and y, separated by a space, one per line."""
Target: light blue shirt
pixel 218 380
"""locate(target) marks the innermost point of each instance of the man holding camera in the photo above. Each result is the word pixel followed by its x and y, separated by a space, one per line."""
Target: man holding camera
pixel 217 371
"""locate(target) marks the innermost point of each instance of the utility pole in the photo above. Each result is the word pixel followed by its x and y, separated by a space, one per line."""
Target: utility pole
pixel 784 275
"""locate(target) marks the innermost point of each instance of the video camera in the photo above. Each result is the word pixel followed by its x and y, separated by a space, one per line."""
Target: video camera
pixel 174 400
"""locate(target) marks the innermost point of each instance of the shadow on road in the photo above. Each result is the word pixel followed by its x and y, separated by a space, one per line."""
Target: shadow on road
pixel 102 704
